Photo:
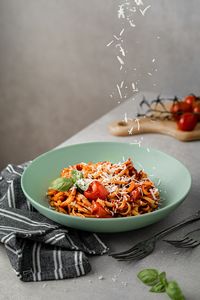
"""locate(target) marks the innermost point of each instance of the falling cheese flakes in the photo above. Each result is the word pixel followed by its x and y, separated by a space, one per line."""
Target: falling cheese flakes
pixel 121 32
pixel 125 118
pixel 130 131
pixel 139 2
pixel 144 10
pixel 131 23
pixel 110 43
pixel 119 91
pixel 138 123
pixel 120 60
pixel 121 49
pixel 121 11
pixel 126 11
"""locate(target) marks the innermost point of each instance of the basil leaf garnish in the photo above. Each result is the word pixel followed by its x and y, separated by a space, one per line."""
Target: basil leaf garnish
pixel 83 184
pixel 61 184
pixel 76 175
pixel 148 276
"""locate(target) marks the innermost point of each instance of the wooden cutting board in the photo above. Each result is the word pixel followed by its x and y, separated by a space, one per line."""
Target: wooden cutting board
pixel 147 125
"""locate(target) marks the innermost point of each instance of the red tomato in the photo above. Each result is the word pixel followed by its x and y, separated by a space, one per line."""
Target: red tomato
pixel 190 99
pixel 135 194
pixel 178 108
pixel 187 122
pixel 99 211
pixel 196 110
pixel 79 167
pixel 96 190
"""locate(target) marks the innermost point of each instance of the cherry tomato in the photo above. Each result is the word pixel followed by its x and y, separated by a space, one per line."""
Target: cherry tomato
pixel 96 190
pixel 196 110
pixel 190 99
pixel 79 167
pixel 187 122
pixel 178 108
pixel 135 194
pixel 99 211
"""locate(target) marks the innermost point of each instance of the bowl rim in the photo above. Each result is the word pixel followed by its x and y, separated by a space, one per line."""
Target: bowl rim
pixel 118 219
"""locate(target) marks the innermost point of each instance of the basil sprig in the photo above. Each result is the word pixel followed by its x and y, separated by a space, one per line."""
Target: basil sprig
pixel 63 184
pixel 83 184
pixel 173 291
pixel 76 175
pixel 160 284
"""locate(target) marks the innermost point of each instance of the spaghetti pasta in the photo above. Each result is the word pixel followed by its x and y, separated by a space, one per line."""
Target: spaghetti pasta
pixel 103 189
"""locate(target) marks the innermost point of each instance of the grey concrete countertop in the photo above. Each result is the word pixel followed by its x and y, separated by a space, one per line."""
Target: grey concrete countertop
pixel 119 278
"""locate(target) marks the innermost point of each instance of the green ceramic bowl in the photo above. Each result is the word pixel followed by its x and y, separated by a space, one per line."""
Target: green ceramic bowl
pixel 171 176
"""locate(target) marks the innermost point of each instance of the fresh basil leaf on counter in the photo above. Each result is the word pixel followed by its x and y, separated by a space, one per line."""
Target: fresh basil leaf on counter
pixel 159 287
pixel 173 291
pixel 61 184
pixel 159 283
pixel 163 279
pixel 148 276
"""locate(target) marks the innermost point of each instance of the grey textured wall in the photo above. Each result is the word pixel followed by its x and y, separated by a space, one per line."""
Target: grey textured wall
pixel 56 73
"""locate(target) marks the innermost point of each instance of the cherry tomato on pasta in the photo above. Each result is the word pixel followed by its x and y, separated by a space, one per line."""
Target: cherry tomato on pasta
pixel 96 190
pixel 187 122
pixel 99 211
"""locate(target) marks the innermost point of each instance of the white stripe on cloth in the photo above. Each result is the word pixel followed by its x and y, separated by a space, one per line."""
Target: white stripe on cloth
pixel 100 242
pixel 7 238
pixel 38 262
pixel 59 238
pixel 4 233
pixel 2 198
pixel 24 219
pixel 8 169
pixel 11 194
pixel 9 197
pixel 16 230
pixel 21 167
pixel 34 261
pixel 18 219
pixel 16 252
pixel 55 263
pixel 60 268
pixel 81 262
pixel 52 240
pixel 29 205
pixel 72 243
pixel 14 171
pixel 76 263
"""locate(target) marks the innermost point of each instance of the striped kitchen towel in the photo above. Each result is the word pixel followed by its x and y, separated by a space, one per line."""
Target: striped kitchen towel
pixel 38 248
